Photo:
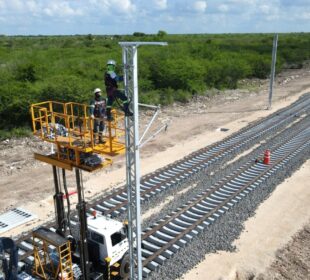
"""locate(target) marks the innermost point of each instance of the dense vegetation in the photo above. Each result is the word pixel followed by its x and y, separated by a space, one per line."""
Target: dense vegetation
pixel 68 68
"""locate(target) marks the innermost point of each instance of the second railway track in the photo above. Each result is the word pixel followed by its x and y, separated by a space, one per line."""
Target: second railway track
pixel 166 178
pixel 165 237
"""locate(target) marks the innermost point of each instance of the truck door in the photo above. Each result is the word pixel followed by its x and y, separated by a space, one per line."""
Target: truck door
pixel 119 245
pixel 101 242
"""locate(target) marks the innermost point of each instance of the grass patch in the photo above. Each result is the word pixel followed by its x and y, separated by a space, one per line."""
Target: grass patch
pixel 17 132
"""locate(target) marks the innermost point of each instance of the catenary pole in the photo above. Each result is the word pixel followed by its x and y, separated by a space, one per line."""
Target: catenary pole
pixel 273 66
pixel 130 63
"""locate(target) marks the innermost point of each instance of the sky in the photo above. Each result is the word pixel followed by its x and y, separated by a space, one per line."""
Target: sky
pixel 107 17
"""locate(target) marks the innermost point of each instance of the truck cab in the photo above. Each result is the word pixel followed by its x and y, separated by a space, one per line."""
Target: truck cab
pixel 106 238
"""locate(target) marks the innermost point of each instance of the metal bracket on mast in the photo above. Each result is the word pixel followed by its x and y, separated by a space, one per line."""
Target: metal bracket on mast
pixel 130 62
pixel 164 126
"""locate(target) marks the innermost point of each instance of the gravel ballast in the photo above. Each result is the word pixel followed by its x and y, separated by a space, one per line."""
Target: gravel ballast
pixel 221 234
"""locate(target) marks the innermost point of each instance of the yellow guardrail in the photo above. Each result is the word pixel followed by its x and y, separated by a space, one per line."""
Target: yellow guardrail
pixel 70 127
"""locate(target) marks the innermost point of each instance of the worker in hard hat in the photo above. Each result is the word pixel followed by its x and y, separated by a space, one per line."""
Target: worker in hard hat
pixel 97 113
pixel 111 79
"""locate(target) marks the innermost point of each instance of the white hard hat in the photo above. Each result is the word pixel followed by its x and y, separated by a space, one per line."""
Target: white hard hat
pixel 111 62
pixel 97 90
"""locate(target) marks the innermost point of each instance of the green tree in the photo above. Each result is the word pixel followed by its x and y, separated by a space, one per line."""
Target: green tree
pixel 161 33
pixel 260 67
pixel 181 73
pixel 138 34
pixel 26 73
pixel 89 40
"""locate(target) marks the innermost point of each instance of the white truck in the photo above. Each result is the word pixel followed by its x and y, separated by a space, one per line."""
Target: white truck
pixel 107 243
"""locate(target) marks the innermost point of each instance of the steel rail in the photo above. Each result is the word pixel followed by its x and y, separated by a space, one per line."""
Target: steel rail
pixel 297 146
pixel 178 171
pixel 115 203
pixel 213 190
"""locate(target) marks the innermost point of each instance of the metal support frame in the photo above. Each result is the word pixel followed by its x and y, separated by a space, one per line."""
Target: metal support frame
pixel 142 142
pixel 81 207
pixel 130 62
pixel 273 66
pixel 59 204
pixel 63 221
pixel 9 266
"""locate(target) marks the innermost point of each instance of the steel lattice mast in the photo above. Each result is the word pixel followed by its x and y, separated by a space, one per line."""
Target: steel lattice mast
pixel 130 62
pixel 273 67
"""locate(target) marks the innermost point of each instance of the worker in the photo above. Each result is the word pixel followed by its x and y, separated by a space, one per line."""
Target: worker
pixel 113 93
pixel 97 113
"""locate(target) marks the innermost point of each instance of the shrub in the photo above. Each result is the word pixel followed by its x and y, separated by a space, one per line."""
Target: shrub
pixel 151 97
pixel 15 132
pixel 66 89
pixel 161 33
pixel 68 68
pixel 138 34
pixel 225 72
pixel 15 103
pixel 260 67
pixel 182 96
pixel 26 73
pixel 177 74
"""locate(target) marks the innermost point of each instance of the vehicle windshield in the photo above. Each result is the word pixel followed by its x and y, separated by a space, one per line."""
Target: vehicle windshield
pixel 119 236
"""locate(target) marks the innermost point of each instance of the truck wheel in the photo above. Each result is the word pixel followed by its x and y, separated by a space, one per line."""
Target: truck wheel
pixel 125 266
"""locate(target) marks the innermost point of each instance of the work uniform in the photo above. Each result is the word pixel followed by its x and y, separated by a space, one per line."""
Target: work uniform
pixel 97 109
pixel 110 81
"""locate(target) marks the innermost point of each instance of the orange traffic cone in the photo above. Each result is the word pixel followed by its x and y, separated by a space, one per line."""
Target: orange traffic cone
pixel 267 157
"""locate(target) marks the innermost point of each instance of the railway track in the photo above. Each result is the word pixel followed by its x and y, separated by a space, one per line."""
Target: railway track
pixel 173 174
pixel 166 237
pixel 168 177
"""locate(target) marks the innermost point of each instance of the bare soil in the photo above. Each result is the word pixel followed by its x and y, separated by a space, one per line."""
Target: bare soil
pixel 292 261
pixel 27 183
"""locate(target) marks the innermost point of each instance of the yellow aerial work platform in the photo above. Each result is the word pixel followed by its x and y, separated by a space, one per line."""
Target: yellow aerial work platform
pixel 70 127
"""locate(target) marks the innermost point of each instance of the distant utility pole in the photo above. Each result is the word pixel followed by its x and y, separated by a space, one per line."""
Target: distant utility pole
pixel 273 66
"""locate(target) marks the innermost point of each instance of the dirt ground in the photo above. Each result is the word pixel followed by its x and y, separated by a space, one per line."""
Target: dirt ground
pixel 292 261
pixel 29 184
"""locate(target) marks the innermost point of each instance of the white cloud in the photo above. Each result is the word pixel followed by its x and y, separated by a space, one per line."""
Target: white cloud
pixel 16 5
pixel 115 6
pixel 305 15
pixel 160 4
pixel 61 9
pixel 265 9
pixel 33 6
pixel 200 6
pixel 124 5
pixel 2 4
pixel 170 19
pixel 149 16
pixel 223 8
pixel 243 2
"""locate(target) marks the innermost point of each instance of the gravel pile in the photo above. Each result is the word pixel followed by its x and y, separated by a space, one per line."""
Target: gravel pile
pixel 16 154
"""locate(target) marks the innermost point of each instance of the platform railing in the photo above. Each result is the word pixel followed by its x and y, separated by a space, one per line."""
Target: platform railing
pixel 71 129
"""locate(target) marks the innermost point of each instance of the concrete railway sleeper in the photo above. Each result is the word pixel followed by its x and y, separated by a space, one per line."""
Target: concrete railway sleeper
pixel 230 184
pixel 115 203
pixel 184 224
pixel 179 171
